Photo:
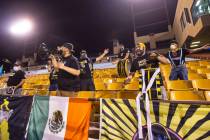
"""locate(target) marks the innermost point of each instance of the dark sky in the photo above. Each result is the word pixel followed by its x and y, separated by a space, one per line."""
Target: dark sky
pixel 88 24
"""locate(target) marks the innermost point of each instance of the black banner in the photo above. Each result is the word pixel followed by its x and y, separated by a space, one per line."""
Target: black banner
pixel 14 116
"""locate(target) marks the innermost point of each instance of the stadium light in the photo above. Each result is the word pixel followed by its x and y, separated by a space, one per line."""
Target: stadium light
pixel 21 27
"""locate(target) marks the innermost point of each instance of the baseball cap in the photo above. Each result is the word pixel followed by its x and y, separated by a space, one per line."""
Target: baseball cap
pixel 69 46
pixel 83 51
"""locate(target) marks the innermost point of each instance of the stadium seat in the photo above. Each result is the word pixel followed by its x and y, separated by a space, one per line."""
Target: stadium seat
pixel 137 75
pixel 204 63
pixel 195 68
pixel 179 85
pixel 208 75
pixel 105 94
pixel 186 95
pixel 85 94
pixel 29 92
pixel 127 94
pixel 132 86
pixel 108 80
pixel 134 80
pixel 53 93
pixel 97 80
pixel 115 86
pixel 192 63
pixel 100 86
pixel 120 80
pixel 42 92
pixel 201 84
pixel 203 71
pixel 207 95
pixel 194 76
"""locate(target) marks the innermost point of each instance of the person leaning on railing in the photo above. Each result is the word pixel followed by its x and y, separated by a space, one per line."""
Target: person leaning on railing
pixel 17 79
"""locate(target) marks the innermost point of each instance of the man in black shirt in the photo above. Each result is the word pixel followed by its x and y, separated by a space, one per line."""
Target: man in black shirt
pixel 143 60
pixel 17 79
pixel 140 61
pixel 68 71
pixel 176 57
pixel 124 54
pixel 86 65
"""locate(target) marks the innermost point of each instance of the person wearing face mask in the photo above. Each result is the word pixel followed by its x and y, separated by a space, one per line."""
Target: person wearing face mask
pixel 17 79
pixel 140 61
pixel 86 65
pixel 123 55
pixel 176 57
pixel 68 71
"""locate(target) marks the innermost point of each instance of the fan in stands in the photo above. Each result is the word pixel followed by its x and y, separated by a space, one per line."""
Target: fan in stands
pixel 123 55
pixel 176 57
pixel 16 79
pixel 142 60
pixel 68 71
pixel 86 70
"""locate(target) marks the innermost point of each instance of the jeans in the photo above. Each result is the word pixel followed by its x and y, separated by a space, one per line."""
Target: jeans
pixel 179 72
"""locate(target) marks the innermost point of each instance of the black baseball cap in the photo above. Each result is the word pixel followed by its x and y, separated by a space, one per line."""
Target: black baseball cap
pixel 69 46
pixel 173 42
pixel 17 63
pixel 83 51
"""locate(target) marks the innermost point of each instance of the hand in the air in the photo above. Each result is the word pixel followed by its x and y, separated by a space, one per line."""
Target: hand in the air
pixel 106 51
pixel 59 48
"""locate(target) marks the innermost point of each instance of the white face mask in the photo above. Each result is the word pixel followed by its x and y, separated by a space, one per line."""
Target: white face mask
pixel 16 68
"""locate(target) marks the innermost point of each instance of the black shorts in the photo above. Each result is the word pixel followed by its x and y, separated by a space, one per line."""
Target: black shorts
pixel 87 85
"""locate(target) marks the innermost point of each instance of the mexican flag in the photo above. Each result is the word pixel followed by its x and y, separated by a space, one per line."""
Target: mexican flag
pixel 59 118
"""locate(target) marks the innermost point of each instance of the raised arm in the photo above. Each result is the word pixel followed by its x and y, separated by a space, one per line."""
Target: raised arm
pixel 204 47
pixel 106 51
pixel 160 58
pixel 163 59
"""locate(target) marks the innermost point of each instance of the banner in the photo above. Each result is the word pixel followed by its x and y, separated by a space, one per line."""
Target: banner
pixel 14 116
pixel 59 118
pixel 174 121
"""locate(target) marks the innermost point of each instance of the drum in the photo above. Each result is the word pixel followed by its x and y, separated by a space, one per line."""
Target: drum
pixel 123 68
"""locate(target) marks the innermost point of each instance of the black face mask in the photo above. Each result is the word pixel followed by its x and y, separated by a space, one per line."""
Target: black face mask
pixel 121 49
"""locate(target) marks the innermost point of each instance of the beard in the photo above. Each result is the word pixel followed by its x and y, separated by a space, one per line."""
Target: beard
pixel 139 53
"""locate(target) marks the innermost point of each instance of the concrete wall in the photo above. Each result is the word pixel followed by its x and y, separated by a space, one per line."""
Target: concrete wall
pixel 152 39
pixel 190 29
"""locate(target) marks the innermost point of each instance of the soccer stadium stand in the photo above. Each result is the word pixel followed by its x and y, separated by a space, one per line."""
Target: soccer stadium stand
pixel 110 86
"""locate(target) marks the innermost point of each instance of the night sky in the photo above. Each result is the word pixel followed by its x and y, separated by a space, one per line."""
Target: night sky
pixel 88 24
